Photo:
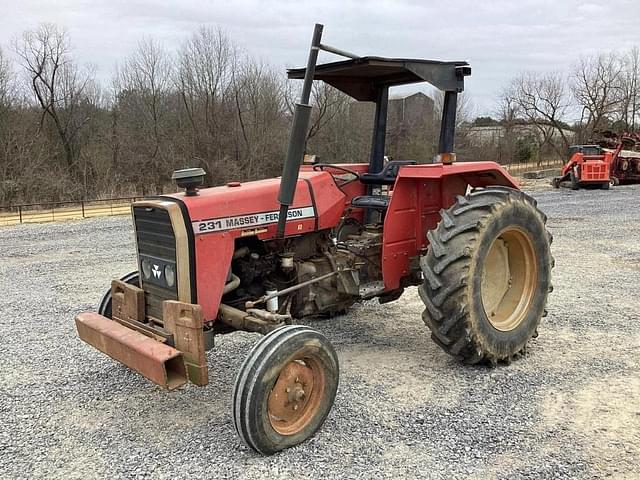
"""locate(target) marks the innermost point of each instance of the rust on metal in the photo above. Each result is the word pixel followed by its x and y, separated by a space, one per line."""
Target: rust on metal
pixel 296 396
pixel 185 321
pixel 156 361
pixel 128 302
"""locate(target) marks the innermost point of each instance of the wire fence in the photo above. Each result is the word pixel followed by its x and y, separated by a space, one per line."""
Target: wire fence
pixel 54 211
pixel 520 168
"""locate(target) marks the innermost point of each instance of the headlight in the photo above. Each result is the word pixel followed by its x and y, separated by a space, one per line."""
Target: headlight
pixel 146 268
pixel 170 275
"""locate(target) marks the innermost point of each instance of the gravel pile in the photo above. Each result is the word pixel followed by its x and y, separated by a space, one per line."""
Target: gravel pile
pixel 569 409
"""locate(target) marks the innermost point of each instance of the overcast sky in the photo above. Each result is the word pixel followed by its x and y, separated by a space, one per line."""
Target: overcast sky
pixel 498 37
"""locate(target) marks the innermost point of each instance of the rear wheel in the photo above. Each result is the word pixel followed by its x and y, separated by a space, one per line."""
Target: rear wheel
pixel 285 389
pixel 487 275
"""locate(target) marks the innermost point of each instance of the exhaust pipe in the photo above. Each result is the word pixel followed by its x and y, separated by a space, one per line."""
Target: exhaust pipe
pixel 157 361
pixel 295 151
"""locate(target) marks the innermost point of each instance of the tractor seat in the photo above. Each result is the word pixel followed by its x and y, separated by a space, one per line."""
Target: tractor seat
pixel 387 176
pixel 374 202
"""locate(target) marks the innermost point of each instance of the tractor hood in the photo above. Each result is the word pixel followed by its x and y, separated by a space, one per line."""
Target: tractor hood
pixel 252 208
pixel 217 216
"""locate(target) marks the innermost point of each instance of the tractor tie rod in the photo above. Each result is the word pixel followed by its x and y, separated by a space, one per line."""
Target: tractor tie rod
pixel 279 293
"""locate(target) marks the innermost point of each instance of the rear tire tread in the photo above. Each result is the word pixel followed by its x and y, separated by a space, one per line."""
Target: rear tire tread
pixel 446 268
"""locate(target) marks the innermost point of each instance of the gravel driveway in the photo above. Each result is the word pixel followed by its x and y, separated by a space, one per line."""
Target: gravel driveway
pixel 569 409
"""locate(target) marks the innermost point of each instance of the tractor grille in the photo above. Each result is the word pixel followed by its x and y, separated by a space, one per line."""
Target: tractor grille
pixel 156 244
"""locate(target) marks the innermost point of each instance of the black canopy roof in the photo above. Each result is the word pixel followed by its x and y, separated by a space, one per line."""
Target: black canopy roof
pixel 362 77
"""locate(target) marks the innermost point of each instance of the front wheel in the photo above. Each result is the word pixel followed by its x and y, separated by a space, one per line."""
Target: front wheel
pixel 487 274
pixel 285 389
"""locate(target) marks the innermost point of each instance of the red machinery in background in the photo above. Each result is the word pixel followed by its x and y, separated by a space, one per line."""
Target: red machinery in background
pixel 625 166
pixel 611 161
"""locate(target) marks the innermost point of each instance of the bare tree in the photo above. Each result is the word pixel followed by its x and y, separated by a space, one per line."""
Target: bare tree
pixel 340 130
pixel 6 142
pixel 596 84
pixel 58 85
pixel 207 65
pixel 507 111
pixel 143 92
pixel 543 100
pixel 26 166
pixel 6 80
pixel 146 73
pixel 629 84
pixel 328 103
pixel 262 125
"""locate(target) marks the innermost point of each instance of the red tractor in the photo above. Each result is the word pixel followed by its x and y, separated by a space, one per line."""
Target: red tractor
pixel 599 166
pixel 261 256
pixel 588 166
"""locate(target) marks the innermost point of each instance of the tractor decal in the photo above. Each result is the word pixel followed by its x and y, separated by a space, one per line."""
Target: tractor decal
pixel 240 221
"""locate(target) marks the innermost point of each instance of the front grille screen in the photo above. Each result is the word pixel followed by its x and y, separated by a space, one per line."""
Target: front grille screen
pixel 157 257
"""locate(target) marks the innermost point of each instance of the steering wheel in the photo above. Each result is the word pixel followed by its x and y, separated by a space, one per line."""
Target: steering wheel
pixel 321 166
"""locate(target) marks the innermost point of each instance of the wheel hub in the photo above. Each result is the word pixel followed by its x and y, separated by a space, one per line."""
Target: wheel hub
pixel 295 396
pixel 509 278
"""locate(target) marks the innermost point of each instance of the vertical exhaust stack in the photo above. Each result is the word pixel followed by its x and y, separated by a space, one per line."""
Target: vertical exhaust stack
pixel 295 151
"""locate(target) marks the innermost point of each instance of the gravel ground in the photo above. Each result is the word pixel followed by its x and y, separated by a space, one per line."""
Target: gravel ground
pixel 569 409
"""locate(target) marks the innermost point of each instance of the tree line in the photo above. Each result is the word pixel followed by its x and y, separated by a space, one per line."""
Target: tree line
pixel 64 135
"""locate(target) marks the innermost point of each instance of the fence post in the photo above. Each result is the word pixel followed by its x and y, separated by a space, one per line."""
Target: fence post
pixel 20 212
pixel 82 204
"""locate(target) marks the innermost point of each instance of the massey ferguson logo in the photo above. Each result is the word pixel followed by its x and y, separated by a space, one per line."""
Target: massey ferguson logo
pixel 157 273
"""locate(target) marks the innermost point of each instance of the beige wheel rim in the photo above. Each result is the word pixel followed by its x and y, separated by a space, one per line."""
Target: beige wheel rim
pixel 509 279
pixel 296 396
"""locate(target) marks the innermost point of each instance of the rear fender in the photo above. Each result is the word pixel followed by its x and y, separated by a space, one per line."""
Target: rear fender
pixel 419 193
